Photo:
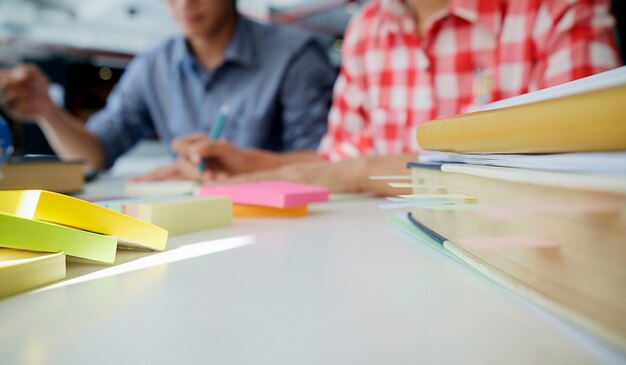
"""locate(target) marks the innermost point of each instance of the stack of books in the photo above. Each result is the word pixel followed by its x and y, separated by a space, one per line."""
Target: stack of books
pixel 534 197
pixel 39 228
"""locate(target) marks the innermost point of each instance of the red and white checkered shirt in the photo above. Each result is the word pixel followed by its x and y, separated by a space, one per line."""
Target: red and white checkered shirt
pixel 474 52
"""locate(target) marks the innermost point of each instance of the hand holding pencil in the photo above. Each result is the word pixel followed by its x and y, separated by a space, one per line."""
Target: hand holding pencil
pixel 208 158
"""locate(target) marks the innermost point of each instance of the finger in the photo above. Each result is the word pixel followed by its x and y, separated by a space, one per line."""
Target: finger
pixel 201 152
pixel 246 178
pixel 187 169
pixel 22 73
pixel 207 176
pixel 25 107
pixel 216 151
pixel 221 176
pixel 16 74
pixel 161 173
pixel 13 95
pixel 27 71
pixel 11 82
pixel 169 175
pixel 212 175
pixel 4 75
pixel 20 108
pixel 182 144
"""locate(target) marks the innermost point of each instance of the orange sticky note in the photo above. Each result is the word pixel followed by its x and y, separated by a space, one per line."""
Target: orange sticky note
pixel 241 211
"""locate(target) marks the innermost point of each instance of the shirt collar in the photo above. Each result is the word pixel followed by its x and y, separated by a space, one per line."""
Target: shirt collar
pixel 487 14
pixel 396 16
pixel 241 49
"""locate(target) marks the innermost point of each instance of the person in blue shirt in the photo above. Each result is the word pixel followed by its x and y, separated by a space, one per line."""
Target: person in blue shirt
pixel 276 82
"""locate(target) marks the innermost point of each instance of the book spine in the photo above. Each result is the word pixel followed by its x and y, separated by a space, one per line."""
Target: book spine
pixel 593 121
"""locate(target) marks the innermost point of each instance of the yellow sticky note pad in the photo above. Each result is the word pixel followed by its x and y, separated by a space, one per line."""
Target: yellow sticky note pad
pixel 453 207
pixel 25 270
pixel 184 215
pixel 33 235
pixel 72 212
pixel 242 211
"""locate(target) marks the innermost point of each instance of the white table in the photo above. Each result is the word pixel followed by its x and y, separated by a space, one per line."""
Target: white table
pixel 338 287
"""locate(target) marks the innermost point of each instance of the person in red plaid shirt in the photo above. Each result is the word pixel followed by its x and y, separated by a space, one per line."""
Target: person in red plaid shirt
pixel 408 62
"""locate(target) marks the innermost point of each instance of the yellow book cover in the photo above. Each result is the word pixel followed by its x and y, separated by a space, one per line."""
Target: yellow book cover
pixel 29 234
pixel 24 270
pixel 72 212
pixel 591 121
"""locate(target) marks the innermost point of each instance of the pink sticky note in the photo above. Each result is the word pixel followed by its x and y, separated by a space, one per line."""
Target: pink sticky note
pixel 277 194
pixel 495 243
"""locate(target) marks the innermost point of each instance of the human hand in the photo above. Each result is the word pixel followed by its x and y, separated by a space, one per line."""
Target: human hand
pixel 181 169
pixel 24 92
pixel 224 158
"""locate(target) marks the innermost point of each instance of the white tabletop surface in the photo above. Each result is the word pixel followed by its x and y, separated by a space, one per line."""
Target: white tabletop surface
pixel 340 286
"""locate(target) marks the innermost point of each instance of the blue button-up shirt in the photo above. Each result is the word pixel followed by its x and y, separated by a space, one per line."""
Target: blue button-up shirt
pixel 276 81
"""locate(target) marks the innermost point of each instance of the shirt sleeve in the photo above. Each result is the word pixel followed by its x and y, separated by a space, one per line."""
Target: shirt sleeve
pixel 574 39
pixel 125 119
pixel 349 134
pixel 305 97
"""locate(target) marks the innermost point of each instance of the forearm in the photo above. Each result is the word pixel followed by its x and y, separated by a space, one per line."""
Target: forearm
pixel 351 175
pixel 71 140
pixel 264 160
pixel 339 177
pixel 381 165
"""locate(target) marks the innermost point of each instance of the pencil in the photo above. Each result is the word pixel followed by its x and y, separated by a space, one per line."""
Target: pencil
pixel 216 131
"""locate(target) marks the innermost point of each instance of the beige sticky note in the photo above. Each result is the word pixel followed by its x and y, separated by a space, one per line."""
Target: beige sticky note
pixel 437 196
pixel 457 207
pixel 415 186
pixel 184 215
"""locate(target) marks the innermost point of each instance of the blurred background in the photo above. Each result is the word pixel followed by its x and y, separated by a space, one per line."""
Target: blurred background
pixel 84 46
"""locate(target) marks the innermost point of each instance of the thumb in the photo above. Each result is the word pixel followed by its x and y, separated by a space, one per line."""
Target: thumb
pixel 182 144
pixel 211 150
pixel 24 72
